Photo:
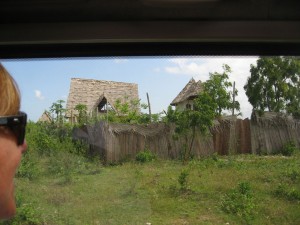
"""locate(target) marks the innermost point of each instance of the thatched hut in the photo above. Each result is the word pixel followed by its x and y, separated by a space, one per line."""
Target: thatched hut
pixel 185 99
pixel 46 117
pixel 98 95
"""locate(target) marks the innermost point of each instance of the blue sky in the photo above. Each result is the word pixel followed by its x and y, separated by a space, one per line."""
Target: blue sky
pixel 44 81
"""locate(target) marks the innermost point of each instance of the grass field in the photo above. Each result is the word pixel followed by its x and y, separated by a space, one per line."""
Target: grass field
pixel 244 189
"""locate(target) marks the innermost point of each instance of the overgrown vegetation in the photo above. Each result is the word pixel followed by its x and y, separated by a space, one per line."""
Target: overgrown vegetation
pixel 289 149
pixel 62 156
pixel 287 192
pixel 59 183
pixel 183 179
pixel 240 201
pixel 145 156
pixel 27 213
pixel 244 189
pixel 188 122
pixel 124 111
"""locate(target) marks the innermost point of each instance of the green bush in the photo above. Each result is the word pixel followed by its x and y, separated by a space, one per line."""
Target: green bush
pixel 145 156
pixel 41 138
pixel 183 180
pixel 289 149
pixel 215 157
pixel 244 188
pixel 287 192
pixel 47 139
pixel 29 167
pixel 240 201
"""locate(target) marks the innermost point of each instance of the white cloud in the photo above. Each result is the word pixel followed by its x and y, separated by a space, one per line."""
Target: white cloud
pixel 38 95
pixel 119 60
pixel 199 68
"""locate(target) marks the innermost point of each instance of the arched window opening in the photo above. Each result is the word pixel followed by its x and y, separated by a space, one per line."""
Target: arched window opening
pixel 102 106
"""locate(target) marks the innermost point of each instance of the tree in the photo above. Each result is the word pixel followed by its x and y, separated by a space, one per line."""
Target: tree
pixel 187 122
pixel 58 109
pixel 293 106
pixel 218 87
pixel 82 113
pixel 125 111
pixel 129 112
pixel 274 84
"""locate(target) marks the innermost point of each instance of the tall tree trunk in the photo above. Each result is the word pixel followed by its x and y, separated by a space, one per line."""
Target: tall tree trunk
pixel 192 142
pixel 233 99
pixel 188 150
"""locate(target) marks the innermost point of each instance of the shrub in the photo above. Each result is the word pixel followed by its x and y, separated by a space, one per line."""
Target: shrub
pixel 47 139
pixel 183 188
pixel 29 166
pixel 215 157
pixel 287 192
pixel 288 149
pixel 293 174
pixel 183 180
pixel 145 156
pixel 64 165
pixel 39 137
pixel 244 188
pixel 240 201
pixel 61 165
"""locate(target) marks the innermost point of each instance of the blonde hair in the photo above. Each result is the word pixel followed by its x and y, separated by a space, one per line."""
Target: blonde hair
pixel 9 94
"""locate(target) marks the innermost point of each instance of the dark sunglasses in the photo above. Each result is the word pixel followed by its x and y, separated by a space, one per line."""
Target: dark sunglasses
pixel 17 124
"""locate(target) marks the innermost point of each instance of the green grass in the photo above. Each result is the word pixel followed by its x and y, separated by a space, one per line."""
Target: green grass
pixel 135 193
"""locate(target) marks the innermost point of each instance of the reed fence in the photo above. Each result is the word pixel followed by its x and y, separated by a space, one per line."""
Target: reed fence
pixel 260 135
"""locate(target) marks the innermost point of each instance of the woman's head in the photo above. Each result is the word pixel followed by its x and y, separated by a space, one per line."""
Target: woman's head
pixel 12 125
pixel 9 94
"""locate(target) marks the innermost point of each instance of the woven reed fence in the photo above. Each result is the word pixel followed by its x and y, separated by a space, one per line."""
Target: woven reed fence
pixel 119 142
pixel 231 136
pixel 270 132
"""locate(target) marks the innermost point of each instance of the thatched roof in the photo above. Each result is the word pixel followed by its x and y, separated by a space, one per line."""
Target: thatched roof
pixel 45 117
pixel 91 92
pixel 190 91
pixel 274 119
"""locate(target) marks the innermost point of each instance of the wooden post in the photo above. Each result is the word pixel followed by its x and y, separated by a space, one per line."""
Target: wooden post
pixel 149 106
pixel 233 98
